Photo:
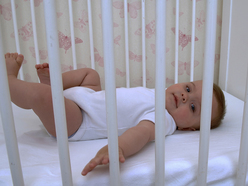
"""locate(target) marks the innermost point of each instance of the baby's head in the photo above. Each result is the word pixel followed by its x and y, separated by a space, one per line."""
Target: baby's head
pixel 183 102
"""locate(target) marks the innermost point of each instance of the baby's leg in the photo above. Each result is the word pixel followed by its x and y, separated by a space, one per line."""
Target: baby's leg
pixel 85 77
pixel 37 96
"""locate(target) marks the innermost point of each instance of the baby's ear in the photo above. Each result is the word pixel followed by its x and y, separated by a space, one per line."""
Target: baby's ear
pixel 187 129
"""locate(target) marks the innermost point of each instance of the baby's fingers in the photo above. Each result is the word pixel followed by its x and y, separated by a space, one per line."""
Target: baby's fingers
pixel 93 163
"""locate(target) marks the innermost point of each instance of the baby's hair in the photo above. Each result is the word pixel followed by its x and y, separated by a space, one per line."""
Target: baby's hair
pixel 218 93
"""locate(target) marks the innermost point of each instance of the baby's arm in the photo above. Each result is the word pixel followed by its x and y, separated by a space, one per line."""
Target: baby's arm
pixel 130 142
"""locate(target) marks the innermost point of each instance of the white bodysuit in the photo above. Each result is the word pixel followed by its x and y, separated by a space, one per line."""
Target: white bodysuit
pixel 133 105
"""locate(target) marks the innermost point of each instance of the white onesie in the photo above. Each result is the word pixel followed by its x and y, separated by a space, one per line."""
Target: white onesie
pixel 133 105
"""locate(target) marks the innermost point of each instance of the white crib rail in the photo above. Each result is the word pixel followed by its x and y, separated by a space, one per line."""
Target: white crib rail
pixel 176 40
pixel 243 153
pixel 8 122
pixel 126 44
pixel 143 43
pixel 207 91
pixel 109 67
pixel 17 41
pixel 57 90
pixel 91 35
pixel 36 47
pixel 160 93
pixel 192 56
pixel 74 58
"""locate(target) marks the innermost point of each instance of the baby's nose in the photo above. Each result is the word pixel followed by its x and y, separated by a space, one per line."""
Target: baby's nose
pixel 184 97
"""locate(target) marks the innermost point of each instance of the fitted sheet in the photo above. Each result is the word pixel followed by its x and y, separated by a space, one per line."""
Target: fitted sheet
pixel 40 161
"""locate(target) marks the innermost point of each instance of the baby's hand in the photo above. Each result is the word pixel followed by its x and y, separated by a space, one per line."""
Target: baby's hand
pixel 101 158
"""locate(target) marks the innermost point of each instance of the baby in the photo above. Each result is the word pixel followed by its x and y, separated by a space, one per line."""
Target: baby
pixel 85 108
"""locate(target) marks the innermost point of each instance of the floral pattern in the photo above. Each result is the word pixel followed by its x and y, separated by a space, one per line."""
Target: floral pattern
pixel 135 54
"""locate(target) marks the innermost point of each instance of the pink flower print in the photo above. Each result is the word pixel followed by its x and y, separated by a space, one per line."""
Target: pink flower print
pixel 119 72
pixel 36 2
pixel 65 41
pixel 6 11
pixel 219 20
pixel 115 24
pixel 25 61
pixel 184 66
pixel 199 22
pixel 42 53
pixel 183 38
pixel 217 58
pixel 149 79
pixel 27 77
pixel 117 39
pixel 59 14
pixel 25 32
pixel 132 8
pixel 81 66
pixel 169 81
pixel 180 13
pixel 153 47
pixel 65 68
pixel 150 30
pixel 98 58
pixel 135 57
pixel 82 22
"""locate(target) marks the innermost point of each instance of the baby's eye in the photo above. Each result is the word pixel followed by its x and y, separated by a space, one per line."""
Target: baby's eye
pixel 188 89
pixel 193 107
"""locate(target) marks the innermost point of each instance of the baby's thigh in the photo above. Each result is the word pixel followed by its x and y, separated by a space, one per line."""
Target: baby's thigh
pixel 74 116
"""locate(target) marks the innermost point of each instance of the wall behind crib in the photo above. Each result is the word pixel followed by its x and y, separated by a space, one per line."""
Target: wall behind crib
pixel 81 28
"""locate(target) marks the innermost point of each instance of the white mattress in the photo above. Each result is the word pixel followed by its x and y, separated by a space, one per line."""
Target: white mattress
pixel 40 162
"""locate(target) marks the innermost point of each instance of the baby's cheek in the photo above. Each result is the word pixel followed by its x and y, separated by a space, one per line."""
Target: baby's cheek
pixel 183 113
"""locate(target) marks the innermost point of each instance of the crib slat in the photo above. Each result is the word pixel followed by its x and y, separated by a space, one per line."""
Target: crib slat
pixel 92 55
pixel 36 47
pixel 8 122
pixel 192 43
pixel 243 152
pixel 109 67
pixel 207 91
pixel 17 41
pixel 57 87
pixel 126 44
pixel 143 43
pixel 229 43
pixel 176 41
pixel 160 92
pixel 74 58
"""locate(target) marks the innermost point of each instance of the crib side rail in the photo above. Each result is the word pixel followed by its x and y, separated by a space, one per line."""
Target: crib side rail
pixel 57 91
pixel 111 107
pixel 8 122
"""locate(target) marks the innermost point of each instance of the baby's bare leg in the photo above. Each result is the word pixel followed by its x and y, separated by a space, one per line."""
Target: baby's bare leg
pixel 85 77
pixel 37 96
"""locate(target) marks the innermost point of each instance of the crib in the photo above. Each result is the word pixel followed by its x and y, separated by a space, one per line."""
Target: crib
pixel 138 37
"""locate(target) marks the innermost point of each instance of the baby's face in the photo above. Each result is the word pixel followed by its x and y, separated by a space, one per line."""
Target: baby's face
pixel 183 102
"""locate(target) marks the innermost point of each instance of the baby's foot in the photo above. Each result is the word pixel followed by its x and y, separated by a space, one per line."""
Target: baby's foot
pixel 43 73
pixel 13 63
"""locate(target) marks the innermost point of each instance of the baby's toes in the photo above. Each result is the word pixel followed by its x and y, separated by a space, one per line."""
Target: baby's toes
pixel 19 59
pixel 7 55
pixel 14 55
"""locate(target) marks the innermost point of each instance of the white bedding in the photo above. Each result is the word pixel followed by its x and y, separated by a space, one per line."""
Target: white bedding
pixel 40 162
